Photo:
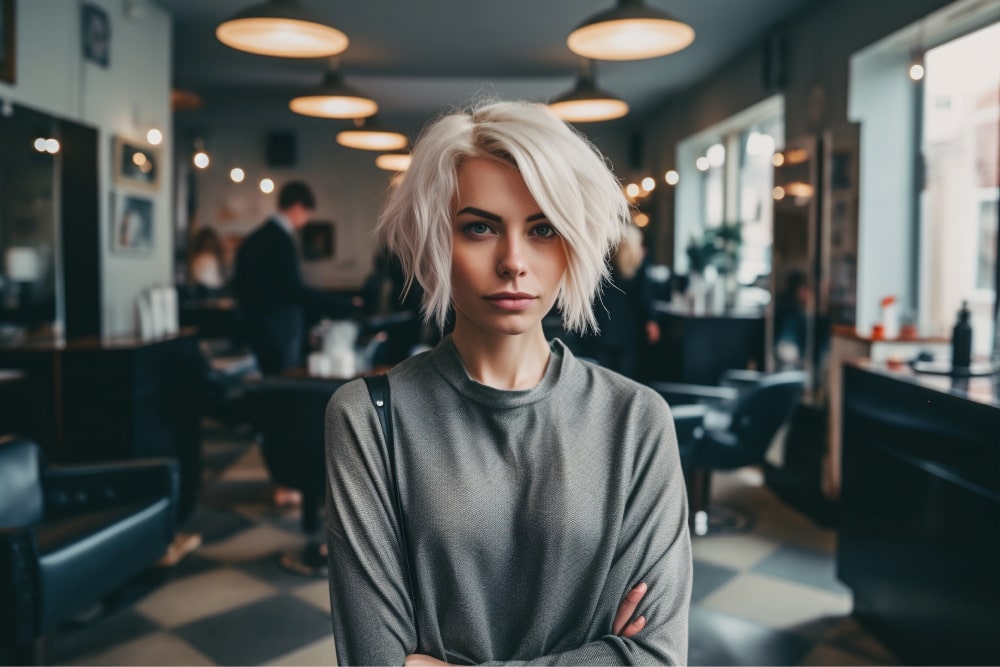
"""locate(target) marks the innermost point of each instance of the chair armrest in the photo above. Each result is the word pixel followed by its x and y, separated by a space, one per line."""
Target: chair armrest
pixel 742 379
pixel 679 393
pixel 20 587
pixel 688 418
pixel 78 488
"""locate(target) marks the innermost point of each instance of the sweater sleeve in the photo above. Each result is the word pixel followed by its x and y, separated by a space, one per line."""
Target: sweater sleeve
pixel 655 548
pixel 370 605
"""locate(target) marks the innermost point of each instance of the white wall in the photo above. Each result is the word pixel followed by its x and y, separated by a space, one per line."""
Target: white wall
pixel 124 100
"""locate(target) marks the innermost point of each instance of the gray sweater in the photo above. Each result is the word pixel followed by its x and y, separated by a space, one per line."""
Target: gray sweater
pixel 530 515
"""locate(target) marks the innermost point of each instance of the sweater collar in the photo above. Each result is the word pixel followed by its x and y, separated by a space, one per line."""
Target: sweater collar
pixel 449 364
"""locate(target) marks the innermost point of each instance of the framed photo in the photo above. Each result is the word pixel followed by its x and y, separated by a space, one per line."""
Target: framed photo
pixel 136 165
pixel 7 42
pixel 95 35
pixel 132 224
pixel 317 241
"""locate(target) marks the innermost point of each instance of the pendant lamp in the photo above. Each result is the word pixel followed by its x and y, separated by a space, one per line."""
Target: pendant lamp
pixel 630 31
pixel 587 103
pixel 369 135
pixel 334 98
pixel 393 161
pixel 281 28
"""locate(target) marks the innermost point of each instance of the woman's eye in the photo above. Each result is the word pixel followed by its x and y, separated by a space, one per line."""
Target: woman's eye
pixel 477 228
pixel 544 230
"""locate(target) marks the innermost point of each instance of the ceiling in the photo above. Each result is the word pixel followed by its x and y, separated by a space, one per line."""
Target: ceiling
pixel 416 57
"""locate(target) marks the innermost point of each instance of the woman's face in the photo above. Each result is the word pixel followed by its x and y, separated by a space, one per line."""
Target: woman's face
pixel 507 260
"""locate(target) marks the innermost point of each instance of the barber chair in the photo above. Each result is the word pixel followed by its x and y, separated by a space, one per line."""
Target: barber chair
pixel 71 535
pixel 289 416
pixel 724 428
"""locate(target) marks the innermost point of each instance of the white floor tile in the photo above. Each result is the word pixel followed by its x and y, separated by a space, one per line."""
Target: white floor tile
pixel 738 552
pixel 318 653
pixel 202 595
pixel 777 603
pixel 317 594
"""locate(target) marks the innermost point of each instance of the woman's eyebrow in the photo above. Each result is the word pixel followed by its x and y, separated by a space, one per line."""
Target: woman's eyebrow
pixel 481 213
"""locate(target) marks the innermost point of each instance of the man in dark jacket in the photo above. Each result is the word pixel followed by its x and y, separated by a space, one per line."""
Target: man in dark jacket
pixel 268 283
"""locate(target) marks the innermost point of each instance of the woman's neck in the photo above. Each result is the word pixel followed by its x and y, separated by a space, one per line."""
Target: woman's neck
pixel 503 362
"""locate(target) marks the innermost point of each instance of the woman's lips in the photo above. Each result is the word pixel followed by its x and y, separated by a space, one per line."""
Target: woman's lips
pixel 511 301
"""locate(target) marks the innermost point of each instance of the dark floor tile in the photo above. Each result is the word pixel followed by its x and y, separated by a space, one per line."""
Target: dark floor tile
pixel 70 643
pixel 720 639
pixel 258 632
pixel 214 524
pixel 267 569
pixel 227 494
pixel 804 566
pixel 707 578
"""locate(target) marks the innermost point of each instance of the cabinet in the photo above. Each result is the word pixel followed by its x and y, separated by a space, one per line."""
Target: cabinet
pixel 920 513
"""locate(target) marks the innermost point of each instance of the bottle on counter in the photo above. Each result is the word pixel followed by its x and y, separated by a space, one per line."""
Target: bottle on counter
pixel 961 340
pixel 890 318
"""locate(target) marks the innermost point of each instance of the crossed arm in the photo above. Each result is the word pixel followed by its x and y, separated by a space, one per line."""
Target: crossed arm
pixel 622 626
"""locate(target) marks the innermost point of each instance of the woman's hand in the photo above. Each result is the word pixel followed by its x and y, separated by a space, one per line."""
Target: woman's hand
pixel 620 627
pixel 421 660
pixel 626 609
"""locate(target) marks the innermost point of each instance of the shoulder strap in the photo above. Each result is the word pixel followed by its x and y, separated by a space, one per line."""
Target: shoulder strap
pixel 378 389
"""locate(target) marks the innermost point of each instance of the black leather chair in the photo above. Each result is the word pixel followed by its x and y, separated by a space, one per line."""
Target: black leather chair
pixel 69 536
pixel 289 416
pixel 724 428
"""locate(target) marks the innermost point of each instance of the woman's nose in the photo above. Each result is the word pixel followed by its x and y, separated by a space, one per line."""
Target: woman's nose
pixel 511 259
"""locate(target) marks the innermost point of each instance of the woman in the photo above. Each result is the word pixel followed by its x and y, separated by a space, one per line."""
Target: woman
pixel 543 496
pixel 625 317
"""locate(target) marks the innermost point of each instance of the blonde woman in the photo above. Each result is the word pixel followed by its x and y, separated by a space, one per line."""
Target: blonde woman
pixel 544 516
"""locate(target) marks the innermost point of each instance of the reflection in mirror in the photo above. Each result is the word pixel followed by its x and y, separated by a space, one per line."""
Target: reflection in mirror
pixel 31 150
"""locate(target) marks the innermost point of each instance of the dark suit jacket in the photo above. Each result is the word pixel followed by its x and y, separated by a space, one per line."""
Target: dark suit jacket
pixel 273 299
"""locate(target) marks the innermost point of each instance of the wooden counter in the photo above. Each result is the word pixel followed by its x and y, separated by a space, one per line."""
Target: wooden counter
pixel 920 512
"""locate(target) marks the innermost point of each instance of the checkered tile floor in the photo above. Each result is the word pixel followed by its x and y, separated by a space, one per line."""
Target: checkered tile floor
pixel 767 597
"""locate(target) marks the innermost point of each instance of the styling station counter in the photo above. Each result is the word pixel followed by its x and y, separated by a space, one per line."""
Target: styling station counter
pixel 920 525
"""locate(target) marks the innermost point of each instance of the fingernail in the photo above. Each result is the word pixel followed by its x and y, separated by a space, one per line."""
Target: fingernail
pixel 641 587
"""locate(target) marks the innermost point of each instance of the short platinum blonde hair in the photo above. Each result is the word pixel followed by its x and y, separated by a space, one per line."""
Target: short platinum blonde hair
pixel 568 178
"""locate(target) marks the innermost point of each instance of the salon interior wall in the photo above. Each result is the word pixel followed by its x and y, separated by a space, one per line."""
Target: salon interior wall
pixel 813 75
pixel 125 99
pixel 350 190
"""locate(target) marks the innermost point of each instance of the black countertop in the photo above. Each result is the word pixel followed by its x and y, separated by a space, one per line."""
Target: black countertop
pixel 981 389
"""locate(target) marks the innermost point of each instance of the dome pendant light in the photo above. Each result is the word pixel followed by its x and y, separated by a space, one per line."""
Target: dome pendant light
pixel 281 28
pixel 587 103
pixel 369 135
pixel 398 162
pixel 630 31
pixel 334 98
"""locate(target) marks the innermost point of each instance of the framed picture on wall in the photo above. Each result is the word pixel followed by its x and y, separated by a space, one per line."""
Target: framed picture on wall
pixel 131 224
pixel 136 165
pixel 7 36
pixel 317 241
pixel 95 35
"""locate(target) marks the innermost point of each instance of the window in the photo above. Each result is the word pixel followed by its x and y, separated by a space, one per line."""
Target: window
pixel 726 177
pixel 958 202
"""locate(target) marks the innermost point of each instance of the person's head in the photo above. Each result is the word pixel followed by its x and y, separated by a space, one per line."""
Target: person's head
pixel 296 202
pixel 562 173
pixel 207 240
pixel 629 255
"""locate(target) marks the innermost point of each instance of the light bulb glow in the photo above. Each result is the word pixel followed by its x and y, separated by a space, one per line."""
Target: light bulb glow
pixel 702 163
pixel 916 71
pixel 641 219
pixel 52 146
pixel 287 38
pixel 372 140
pixel 716 155
pixel 236 175
pixel 40 144
pixel 672 177
pixel 266 186
pixel 201 160
pixel 632 190
pixel 345 107
pixel 648 184
pixel 393 161
pixel 154 137
pixel 778 193
pixel 630 39
pixel 589 111
pixel 778 159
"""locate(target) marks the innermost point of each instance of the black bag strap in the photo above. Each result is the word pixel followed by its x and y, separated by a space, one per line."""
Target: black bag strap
pixel 378 389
